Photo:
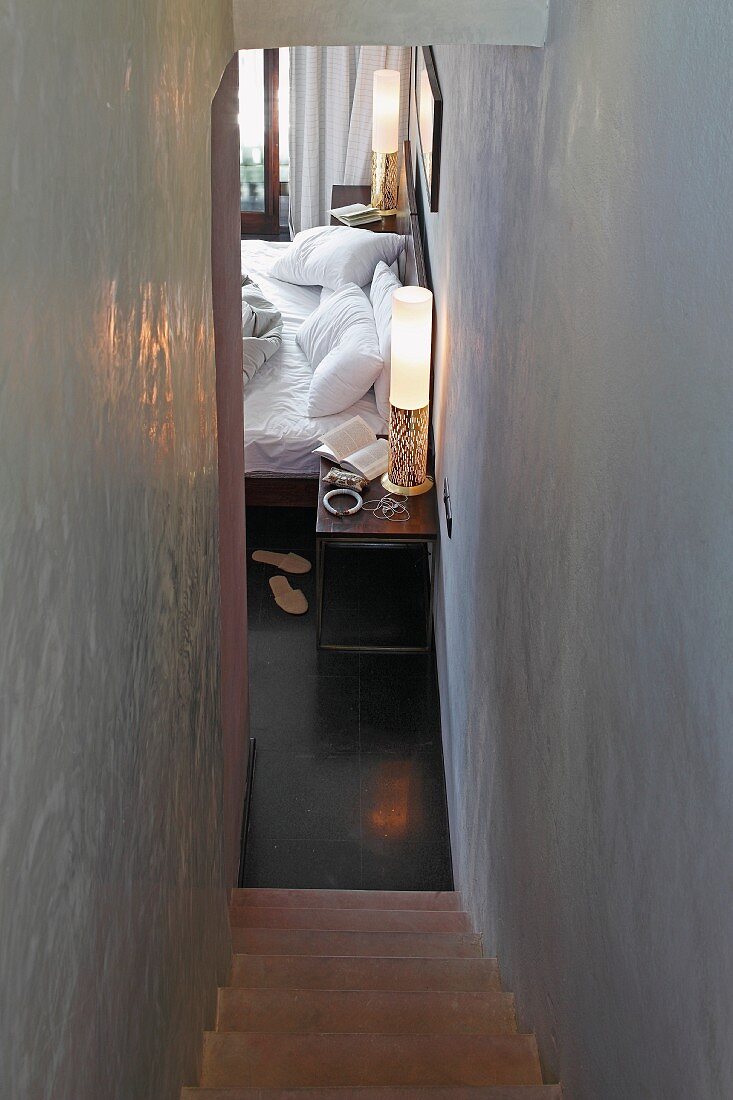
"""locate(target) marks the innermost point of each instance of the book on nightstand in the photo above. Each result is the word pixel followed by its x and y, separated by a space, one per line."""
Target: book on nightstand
pixel 354 446
pixel 356 214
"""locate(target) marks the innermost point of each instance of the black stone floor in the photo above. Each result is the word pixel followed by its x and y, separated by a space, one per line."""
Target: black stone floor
pixel 349 788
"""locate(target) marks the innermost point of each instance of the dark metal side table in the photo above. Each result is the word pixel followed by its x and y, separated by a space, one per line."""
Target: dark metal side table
pixel 365 530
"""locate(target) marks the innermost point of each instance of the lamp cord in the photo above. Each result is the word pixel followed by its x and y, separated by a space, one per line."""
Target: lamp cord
pixel 389 507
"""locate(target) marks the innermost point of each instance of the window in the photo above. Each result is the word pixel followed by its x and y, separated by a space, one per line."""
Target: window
pixel 263 140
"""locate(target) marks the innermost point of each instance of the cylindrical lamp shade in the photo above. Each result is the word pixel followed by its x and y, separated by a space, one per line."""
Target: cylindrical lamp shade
pixel 386 111
pixel 409 397
pixel 412 331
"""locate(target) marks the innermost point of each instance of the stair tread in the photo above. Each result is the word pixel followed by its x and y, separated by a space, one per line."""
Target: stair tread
pixel 379 1092
pixel 347 899
pixel 318 1059
pixel 399 1013
pixel 358 972
pixel 282 941
pixel 349 920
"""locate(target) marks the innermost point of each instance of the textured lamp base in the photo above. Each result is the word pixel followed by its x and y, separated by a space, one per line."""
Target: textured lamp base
pixel 407 490
pixel 408 452
pixel 384 182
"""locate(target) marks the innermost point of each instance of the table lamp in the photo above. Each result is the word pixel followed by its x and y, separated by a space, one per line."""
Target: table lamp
pixel 409 395
pixel 385 139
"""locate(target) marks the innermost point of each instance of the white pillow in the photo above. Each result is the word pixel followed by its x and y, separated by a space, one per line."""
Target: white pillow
pixel 334 255
pixel 340 340
pixel 327 292
pixel 384 284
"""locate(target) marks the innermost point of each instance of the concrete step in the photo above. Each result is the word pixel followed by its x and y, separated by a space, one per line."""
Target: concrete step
pixel 350 920
pixel 377 1011
pixel 281 941
pixel 277 1061
pixel 323 972
pixel 347 899
pixel 378 1092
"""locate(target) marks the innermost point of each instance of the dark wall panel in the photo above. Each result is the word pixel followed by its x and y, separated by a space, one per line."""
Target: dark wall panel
pixel 226 287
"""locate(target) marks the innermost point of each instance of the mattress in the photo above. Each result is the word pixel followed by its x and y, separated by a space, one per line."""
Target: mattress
pixel 278 436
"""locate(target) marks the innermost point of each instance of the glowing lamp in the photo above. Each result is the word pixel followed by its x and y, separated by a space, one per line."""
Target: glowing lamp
pixel 385 139
pixel 409 396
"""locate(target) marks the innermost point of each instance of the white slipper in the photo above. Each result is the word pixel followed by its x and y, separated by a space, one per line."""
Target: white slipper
pixel 289 563
pixel 289 599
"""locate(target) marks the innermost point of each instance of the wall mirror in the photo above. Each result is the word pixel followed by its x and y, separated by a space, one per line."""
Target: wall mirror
pixel 429 112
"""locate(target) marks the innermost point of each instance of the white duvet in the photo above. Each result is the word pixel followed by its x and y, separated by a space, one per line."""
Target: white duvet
pixel 262 329
pixel 278 437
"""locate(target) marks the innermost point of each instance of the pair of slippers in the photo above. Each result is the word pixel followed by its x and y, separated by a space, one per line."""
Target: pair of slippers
pixel 289 599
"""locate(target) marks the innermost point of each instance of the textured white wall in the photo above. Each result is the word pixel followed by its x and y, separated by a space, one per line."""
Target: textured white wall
pixel 582 262
pixel 390 22
pixel 112 913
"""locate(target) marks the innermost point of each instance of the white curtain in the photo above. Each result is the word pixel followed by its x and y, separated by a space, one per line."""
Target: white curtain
pixel 331 121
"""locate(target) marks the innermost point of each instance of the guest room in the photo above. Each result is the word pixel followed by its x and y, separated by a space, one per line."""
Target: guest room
pixel 309 119
pixel 339 153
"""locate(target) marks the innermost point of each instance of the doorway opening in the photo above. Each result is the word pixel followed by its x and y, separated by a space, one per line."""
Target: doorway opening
pixel 348 789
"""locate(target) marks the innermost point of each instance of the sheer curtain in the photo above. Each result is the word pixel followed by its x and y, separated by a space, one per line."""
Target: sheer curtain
pixel 331 121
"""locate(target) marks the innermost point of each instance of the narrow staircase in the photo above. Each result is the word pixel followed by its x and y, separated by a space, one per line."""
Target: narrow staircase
pixel 363 994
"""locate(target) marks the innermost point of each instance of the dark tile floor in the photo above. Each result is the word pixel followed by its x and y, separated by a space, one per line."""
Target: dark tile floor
pixel 349 788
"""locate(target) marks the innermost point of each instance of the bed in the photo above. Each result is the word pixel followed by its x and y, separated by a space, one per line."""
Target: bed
pixel 280 468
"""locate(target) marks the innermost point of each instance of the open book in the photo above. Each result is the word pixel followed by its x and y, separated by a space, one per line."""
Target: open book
pixel 355 447
pixel 356 214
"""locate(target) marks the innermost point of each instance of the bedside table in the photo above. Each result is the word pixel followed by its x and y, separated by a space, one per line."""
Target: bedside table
pixel 365 531
pixel 344 195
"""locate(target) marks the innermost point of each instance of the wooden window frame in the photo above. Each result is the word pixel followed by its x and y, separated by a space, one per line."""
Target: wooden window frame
pixel 267 221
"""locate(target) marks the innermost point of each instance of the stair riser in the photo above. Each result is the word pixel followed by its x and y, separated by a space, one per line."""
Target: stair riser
pixel 308 972
pixel 278 1061
pixel 393 1013
pixel 536 1092
pixel 349 920
pixel 277 941
pixel 346 899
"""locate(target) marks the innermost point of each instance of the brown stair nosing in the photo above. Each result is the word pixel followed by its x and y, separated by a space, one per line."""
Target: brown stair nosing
pixel 286 941
pixel 392 1011
pixel 379 1092
pixel 364 972
pixel 350 920
pixel 442 901
pixel 320 1060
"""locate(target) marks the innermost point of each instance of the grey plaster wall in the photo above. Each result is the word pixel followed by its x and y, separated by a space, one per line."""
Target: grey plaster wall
pixel 112 913
pixel 584 415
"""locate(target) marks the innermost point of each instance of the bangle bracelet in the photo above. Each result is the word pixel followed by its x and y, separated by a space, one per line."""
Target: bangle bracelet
pixel 342 493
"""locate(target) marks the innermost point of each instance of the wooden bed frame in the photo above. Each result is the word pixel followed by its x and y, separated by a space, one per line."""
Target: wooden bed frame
pixel 272 491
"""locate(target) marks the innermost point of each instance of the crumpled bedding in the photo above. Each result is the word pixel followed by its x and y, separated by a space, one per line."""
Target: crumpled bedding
pixel 279 437
pixel 262 328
